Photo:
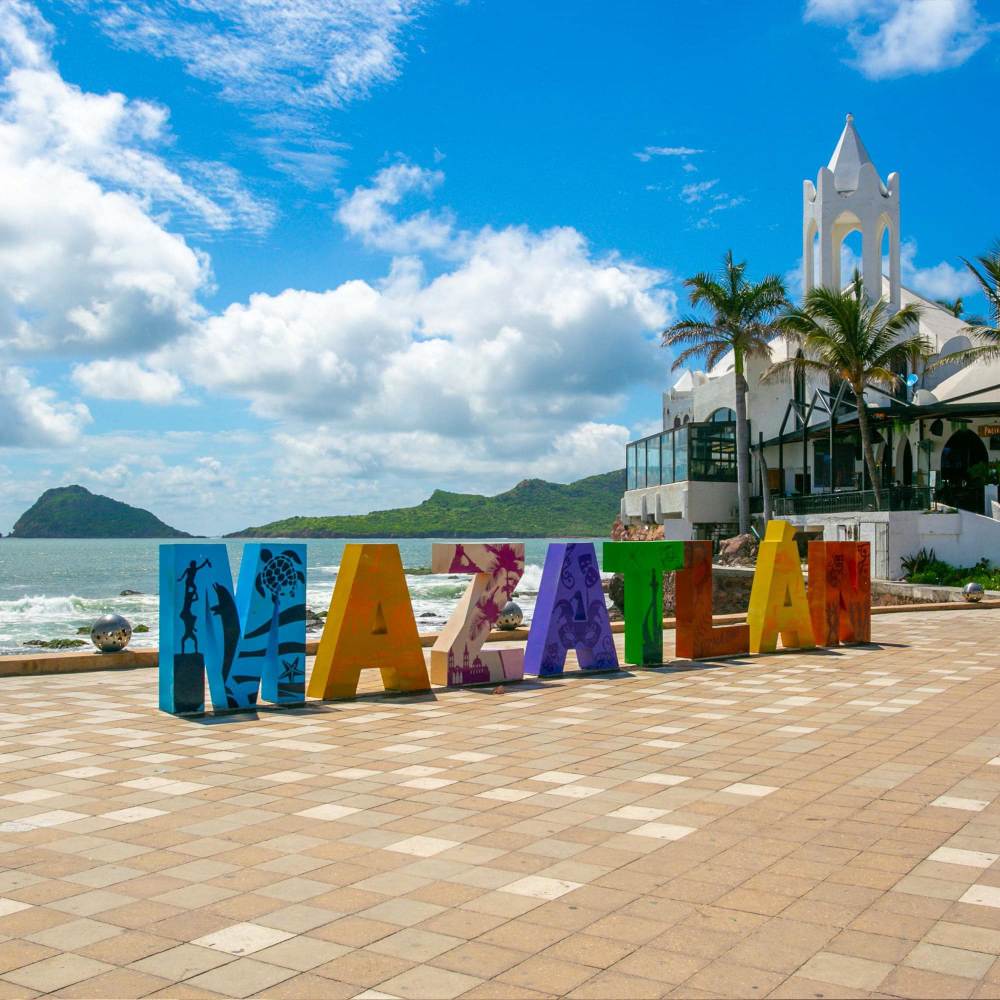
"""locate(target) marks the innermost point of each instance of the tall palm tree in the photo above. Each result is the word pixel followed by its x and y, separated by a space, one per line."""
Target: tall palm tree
pixel 741 319
pixel 847 335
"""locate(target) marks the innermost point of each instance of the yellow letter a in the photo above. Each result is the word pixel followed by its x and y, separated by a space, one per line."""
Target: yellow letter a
pixel 778 598
pixel 370 625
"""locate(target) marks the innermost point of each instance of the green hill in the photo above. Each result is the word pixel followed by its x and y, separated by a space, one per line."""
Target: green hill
pixel 75 512
pixel 532 509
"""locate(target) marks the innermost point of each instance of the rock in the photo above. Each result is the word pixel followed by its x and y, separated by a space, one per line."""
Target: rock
pixel 616 591
pixel 131 593
pixel 427 614
pixel 741 550
pixel 140 628
pixel 636 532
pixel 56 643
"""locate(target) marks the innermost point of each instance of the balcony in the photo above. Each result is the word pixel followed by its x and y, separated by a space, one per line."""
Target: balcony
pixel 847 501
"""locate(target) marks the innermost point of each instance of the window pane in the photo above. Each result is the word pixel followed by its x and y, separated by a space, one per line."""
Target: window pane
pixel 630 467
pixel 667 457
pixel 653 462
pixel 640 464
pixel 681 454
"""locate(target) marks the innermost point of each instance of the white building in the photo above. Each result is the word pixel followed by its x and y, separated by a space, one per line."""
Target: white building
pixel 929 434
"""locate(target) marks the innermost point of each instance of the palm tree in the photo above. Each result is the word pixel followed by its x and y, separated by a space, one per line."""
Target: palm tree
pixel 955 306
pixel 846 335
pixel 741 320
pixel 985 329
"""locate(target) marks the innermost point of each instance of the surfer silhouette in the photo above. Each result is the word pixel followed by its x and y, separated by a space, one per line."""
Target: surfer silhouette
pixel 187 614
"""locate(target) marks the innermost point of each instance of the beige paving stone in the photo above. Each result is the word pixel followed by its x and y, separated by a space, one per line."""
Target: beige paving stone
pixel 181 962
pixel 242 978
pixel 845 970
pixel 57 972
pixel 949 961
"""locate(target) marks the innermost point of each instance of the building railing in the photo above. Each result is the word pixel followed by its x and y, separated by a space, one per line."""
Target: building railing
pixel 893 498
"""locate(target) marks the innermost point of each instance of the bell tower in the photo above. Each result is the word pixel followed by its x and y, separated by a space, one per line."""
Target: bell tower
pixel 849 196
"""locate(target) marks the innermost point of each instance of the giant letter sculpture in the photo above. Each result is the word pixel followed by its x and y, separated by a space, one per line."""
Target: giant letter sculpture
pixel 695 637
pixel 840 592
pixel 253 639
pixel 643 565
pixel 778 597
pixel 370 625
pixel 456 656
pixel 570 613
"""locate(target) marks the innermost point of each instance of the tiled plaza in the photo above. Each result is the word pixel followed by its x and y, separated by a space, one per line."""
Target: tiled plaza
pixel 804 824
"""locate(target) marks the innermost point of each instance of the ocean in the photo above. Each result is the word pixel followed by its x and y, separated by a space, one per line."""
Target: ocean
pixel 49 588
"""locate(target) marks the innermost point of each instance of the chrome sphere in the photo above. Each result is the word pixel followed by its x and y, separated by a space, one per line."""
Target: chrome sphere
pixel 973 592
pixel 111 633
pixel 510 618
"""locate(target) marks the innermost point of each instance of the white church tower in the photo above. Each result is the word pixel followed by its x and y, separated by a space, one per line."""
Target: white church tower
pixel 849 196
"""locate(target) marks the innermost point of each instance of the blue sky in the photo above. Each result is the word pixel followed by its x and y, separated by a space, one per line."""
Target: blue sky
pixel 328 255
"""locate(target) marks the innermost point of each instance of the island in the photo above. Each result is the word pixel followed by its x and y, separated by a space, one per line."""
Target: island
pixel 75 512
pixel 534 508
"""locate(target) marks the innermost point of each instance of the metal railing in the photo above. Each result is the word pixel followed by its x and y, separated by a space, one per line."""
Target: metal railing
pixel 893 498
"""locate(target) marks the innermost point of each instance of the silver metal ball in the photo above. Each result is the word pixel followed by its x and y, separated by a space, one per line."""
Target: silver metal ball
pixel 510 618
pixel 973 592
pixel 111 633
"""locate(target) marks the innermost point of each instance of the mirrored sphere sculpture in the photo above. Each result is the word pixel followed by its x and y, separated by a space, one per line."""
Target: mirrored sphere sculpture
pixel 111 633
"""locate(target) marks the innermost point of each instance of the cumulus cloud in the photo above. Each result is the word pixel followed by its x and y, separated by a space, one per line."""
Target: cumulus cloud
pixel 527 337
pixel 940 281
pixel 367 212
pixel 33 417
pixel 896 37
pixel 86 263
pixel 127 380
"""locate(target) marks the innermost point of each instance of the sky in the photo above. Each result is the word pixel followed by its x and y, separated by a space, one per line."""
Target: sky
pixel 261 258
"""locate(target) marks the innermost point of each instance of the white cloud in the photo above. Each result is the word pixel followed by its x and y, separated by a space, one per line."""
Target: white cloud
pixel 895 37
pixel 298 53
pixel 86 263
pixel 127 380
pixel 286 60
pixel 941 281
pixel 33 417
pixel 695 192
pixel 366 212
pixel 649 152
pixel 528 340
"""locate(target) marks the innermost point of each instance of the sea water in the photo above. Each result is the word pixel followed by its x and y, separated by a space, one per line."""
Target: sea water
pixel 50 588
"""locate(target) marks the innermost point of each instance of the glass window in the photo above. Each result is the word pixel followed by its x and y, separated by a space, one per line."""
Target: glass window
pixel 653 462
pixel 680 455
pixel 640 464
pixel 723 415
pixel 630 467
pixel 713 452
pixel 667 457
pixel 843 464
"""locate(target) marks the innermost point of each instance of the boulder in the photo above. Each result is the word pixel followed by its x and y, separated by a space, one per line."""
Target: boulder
pixel 740 550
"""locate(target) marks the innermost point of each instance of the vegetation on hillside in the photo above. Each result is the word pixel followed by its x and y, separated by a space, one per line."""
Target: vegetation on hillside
pixel 75 512
pixel 532 509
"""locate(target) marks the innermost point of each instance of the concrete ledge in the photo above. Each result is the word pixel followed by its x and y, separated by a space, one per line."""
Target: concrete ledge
pixel 132 659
